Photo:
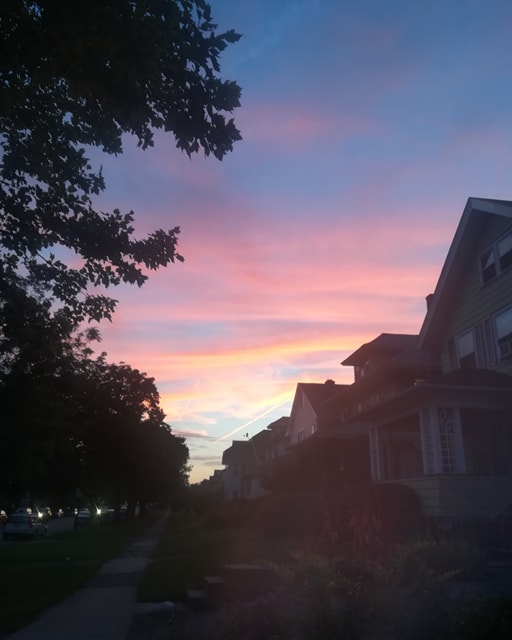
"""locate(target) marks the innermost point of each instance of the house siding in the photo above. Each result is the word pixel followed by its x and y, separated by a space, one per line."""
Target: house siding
pixel 303 419
pixel 475 303
pixel 462 496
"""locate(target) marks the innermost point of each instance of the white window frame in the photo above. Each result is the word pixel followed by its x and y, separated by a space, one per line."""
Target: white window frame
pixel 459 354
pixel 495 258
pixel 503 350
pixel 443 453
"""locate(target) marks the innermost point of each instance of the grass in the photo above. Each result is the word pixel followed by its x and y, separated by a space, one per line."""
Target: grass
pixel 38 574
pixel 191 548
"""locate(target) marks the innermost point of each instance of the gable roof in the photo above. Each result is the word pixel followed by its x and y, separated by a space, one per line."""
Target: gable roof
pixel 279 427
pixel 387 344
pixel 476 212
pixel 240 452
pixel 319 394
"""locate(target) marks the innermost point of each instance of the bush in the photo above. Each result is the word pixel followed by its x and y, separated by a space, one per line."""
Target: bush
pixel 355 598
pixel 426 560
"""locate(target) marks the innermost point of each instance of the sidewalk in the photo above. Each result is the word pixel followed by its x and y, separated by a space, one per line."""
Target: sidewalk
pixel 104 608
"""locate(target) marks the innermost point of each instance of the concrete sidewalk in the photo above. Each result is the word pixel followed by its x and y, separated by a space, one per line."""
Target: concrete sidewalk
pixel 104 608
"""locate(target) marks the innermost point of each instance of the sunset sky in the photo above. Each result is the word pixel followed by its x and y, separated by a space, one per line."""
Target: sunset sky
pixel 366 126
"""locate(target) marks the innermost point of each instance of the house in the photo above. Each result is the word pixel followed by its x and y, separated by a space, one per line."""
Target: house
pixel 320 452
pixel 271 443
pixel 249 462
pixel 238 477
pixel 430 411
pixel 438 406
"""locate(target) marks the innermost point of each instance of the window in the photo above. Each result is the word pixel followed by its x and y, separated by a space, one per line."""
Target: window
pixel 428 445
pixel 487 265
pixel 496 258
pixel 505 251
pixel 300 436
pixel 503 324
pixel 465 350
pixel 446 440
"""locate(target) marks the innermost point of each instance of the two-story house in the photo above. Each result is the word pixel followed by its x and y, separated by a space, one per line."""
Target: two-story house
pixel 431 411
pixel 440 421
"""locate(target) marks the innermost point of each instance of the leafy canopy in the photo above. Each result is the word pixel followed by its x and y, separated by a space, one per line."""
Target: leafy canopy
pixel 77 76
pixel 70 420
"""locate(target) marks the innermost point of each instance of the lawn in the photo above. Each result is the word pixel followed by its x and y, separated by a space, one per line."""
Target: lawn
pixel 36 575
pixel 192 547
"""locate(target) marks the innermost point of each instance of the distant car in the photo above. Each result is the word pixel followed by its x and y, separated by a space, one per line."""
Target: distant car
pixel 82 518
pixel 45 513
pixel 57 513
pixel 23 526
pixel 3 517
pixel 107 515
pixel 27 511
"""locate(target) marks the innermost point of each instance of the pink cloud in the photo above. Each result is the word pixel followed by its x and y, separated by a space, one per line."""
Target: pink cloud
pixel 286 126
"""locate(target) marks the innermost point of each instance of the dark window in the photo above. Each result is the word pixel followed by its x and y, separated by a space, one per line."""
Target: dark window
pixel 488 265
pixel 505 252
pixel 466 351
pixel 503 322
pixel 496 258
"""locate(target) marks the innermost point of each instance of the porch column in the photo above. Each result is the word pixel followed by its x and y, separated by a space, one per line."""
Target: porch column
pixel 376 454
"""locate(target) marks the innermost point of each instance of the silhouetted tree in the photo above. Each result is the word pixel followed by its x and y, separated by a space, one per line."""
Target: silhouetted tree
pixel 128 452
pixel 73 421
pixel 77 76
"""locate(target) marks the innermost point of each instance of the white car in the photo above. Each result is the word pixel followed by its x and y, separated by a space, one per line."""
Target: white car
pixel 23 526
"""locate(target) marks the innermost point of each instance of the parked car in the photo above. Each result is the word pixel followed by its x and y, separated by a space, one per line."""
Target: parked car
pixel 23 526
pixel 82 518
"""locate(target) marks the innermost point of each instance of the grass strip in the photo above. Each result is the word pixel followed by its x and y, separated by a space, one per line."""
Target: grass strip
pixel 36 575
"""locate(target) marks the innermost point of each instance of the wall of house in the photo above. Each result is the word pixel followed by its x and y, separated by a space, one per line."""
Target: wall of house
pixel 304 419
pixel 231 482
pixel 474 304
pixel 445 496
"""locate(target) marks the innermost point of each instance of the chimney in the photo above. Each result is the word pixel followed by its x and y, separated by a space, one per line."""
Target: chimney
pixel 430 299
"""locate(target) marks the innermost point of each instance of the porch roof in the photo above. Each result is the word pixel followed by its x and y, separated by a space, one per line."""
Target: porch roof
pixel 475 388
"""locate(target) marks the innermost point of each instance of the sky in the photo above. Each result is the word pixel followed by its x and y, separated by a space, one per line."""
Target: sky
pixel 366 126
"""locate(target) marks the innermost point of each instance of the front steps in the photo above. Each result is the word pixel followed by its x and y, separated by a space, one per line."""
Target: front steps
pixel 237 582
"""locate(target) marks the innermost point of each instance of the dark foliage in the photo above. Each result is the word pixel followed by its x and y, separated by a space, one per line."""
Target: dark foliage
pixel 76 76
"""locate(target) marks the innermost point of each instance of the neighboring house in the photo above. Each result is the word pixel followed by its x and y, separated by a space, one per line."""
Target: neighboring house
pixel 238 474
pixel 248 462
pixel 277 443
pixel 321 453
pixel 440 419
pixel 309 413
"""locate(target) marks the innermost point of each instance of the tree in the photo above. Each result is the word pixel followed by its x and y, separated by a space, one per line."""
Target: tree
pixel 73 421
pixel 39 357
pixel 77 76
pixel 128 452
